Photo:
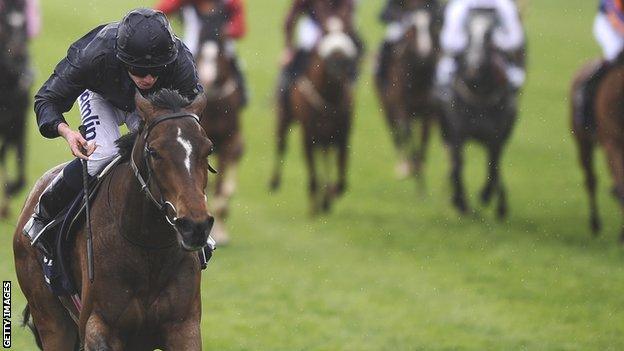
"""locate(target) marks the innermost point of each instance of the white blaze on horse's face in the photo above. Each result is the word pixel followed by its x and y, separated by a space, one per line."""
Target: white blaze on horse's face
pixel 422 20
pixel 336 40
pixel 479 26
pixel 188 148
pixel 208 63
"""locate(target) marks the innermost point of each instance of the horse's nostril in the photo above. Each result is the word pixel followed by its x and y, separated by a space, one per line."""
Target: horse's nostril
pixel 208 224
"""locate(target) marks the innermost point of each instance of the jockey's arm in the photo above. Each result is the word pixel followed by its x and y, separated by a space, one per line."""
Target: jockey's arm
pixel 58 93
pixel 453 38
pixel 236 26
pixel 510 36
pixel 296 10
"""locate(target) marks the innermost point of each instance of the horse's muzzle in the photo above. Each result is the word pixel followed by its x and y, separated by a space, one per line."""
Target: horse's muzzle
pixel 194 234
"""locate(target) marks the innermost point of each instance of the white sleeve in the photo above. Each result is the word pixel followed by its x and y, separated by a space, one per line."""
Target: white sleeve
pixel 453 38
pixel 192 26
pixel 510 35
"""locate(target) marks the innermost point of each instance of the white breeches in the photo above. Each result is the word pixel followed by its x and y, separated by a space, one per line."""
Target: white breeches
pixel 611 41
pixel 102 120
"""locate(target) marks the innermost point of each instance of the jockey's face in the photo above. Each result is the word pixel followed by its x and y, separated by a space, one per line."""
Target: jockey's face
pixel 144 83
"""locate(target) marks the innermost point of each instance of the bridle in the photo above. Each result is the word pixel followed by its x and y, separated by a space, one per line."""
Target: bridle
pixel 164 206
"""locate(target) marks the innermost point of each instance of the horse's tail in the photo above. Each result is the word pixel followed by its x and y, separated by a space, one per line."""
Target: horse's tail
pixel 27 322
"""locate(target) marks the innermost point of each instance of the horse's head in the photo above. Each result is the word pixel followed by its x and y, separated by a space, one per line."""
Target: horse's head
pixel 478 60
pixel 337 48
pixel 419 36
pixel 171 155
pixel 13 36
pixel 212 61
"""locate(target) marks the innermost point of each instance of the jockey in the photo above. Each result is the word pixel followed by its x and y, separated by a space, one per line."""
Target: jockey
pixel 609 28
pixel 508 37
pixel 235 28
pixel 102 71
pixel 310 14
pixel 392 15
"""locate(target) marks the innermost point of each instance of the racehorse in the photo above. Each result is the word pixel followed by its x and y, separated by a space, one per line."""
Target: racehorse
pixel 406 89
pixel 321 99
pixel 15 81
pixel 482 107
pixel 146 288
pixel 605 125
pixel 221 118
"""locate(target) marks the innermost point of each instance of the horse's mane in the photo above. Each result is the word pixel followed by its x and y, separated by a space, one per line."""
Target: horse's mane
pixel 164 99
pixel 168 99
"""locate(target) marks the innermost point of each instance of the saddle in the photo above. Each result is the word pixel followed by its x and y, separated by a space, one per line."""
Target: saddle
pixel 58 240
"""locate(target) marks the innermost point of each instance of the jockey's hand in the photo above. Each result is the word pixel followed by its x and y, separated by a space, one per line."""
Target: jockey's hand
pixel 287 56
pixel 78 145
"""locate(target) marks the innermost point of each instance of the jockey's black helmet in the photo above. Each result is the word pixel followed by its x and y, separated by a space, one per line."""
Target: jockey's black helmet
pixel 145 39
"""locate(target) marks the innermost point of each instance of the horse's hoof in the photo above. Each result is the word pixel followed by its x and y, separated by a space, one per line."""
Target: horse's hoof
pixel 219 234
pixel 486 196
pixel 501 212
pixel 595 226
pixel 338 190
pixel 274 184
pixel 326 205
pixel 461 206
pixel 403 170
pixel 14 187
pixel 4 212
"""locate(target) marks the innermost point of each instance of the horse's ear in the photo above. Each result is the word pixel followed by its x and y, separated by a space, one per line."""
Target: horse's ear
pixel 145 108
pixel 198 104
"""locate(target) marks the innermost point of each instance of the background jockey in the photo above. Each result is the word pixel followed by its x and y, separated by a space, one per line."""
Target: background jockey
pixel 392 15
pixel 309 14
pixel 609 28
pixel 235 28
pixel 102 72
pixel 508 37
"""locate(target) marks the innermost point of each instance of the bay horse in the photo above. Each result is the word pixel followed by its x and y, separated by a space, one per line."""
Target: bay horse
pixel 146 288
pixel 15 82
pixel 482 107
pixel 321 99
pixel 221 117
pixel 406 90
pixel 605 126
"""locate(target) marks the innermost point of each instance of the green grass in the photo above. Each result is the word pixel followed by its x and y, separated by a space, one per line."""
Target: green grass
pixel 391 269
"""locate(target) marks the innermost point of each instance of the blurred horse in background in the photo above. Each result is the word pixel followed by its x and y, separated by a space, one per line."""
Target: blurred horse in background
pixel 482 107
pixel 221 118
pixel 146 288
pixel 321 99
pixel 600 118
pixel 406 86
pixel 15 82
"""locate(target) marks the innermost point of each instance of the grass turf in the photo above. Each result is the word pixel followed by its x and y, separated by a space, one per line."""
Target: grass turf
pixel 392 269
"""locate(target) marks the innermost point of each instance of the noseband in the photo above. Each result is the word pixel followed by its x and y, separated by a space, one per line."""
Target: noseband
pixel 166 207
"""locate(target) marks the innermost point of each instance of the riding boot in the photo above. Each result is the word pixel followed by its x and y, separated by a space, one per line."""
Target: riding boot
pixel 292 70
pixel 382 65
pixel 54 199
pixel 240 81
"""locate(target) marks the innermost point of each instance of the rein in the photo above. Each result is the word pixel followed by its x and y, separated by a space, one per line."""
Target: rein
pixel 162 205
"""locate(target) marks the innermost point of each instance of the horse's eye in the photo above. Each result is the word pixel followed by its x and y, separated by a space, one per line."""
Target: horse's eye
pixel 153 154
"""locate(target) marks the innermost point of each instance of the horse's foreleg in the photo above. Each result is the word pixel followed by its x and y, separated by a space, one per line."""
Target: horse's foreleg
pixel 185 335
pixel 17 184
pixel 615 157
pixel 54 328
pixel 283 123
pixel 586 158
pixel 342 159
pixel 459 197
pixel 100 337
pixel 312 182
pixel 492 181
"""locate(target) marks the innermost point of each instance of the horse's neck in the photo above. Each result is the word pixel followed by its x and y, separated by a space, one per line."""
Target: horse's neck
pixel 331 88
pixel 142 225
